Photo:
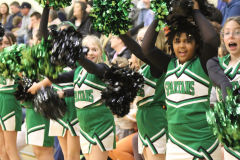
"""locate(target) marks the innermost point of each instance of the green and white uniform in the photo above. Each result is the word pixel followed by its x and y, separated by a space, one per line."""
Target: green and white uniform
pixel 233 74
pixel 95 119
pixel 69 121
pixel 150 101
pixel 187 89
pixel 37 128
pixel 10 109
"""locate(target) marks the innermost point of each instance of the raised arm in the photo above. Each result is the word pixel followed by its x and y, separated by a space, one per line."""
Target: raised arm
pixel 217 76
pixel 209 37
pixel 43 30
pixel 93 68
pixel 136 49
pixel 155 55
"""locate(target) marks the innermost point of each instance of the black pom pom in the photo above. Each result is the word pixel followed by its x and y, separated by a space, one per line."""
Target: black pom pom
pixel 181 10
pixel 123 85
pixel 2 31
pixel 67 47
pixel 47 103
pixel 23 85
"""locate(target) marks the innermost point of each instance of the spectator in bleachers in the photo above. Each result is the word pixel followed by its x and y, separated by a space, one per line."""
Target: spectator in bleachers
pixel 221 5
pixel 120 49
pixel 53 20
pixel 21 34
pixel 15 12
pixel 149 16
pixel 231 9
pixel 62 15
pixel 70 14
pixel 4 13
pixel 81 20
pixel 34 24
pixel 89 6
pixel 16 22
pixel 142 13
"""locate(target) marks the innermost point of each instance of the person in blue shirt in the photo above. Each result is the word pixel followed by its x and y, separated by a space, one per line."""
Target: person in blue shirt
pixel 149 16
pixel 231 9
pixel 14 6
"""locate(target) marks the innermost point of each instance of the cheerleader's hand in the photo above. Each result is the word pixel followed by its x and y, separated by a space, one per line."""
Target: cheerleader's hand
pixel 60 94
pixel 35 87
pixel 195 5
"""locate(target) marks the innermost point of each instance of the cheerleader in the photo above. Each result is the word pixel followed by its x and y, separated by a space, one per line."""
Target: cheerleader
pixel 10 110
pixel 37 126
pixel 97 128
pixel 67 128
pixel 229 71
pixel 150 100
pixel 187 86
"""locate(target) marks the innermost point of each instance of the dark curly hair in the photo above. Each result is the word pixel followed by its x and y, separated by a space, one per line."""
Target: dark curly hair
pixel 191 31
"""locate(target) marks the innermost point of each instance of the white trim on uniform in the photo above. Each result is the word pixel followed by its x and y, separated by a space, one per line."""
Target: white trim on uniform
pixel 192 150
pixel 158 134
pixel 94 84
pixel 150 81
pixel 171 71
pixel 7 115
pixel 197 76
pixel 6 89
pixel 187 103
pixel 36 127
pixel 68 88
pixel 150 100
pixel 74 120
pixel 105 132
pixel 209 149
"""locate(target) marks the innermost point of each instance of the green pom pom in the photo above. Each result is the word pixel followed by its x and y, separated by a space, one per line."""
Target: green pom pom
pixel 160 8
pixel 111 16
pixel 56 4
pixel 36 62
pixel 224 120
pixel 10 62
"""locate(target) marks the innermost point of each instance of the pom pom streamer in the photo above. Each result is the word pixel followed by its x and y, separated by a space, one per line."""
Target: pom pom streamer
pixel 224 120
pixel 67 47
pixel 181 10
pixel 48 104
pixel 2 32
pixel 56 4
pixel 36 61
pixel 10 62
pixel 123 85
pixel 160 8
pixel 23 85
pixel 111 16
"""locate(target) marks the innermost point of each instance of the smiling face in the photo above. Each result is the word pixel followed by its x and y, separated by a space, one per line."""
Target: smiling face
pixel 184 47
pixel 231 37
pixel 94 52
